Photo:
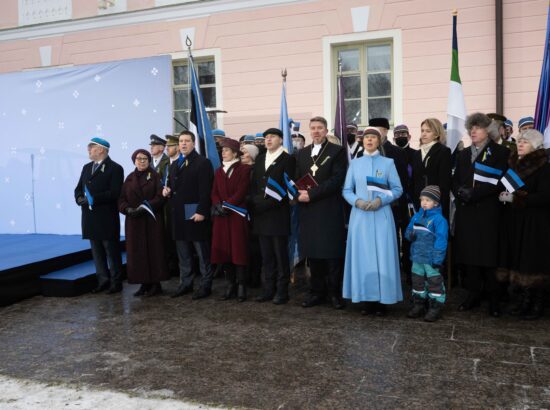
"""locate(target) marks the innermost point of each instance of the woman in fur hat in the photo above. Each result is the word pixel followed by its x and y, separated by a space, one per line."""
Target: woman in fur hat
pixel 524 259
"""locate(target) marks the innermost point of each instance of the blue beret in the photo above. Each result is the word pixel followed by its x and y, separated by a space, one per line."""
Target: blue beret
pixel 509 123
pixel 525 121
pixel 100 141
pixel 218 133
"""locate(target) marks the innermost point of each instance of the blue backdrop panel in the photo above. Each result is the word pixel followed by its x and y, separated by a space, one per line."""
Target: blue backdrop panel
pixel 47 118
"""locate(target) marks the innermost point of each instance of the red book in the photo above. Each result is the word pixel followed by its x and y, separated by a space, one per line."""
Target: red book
pixel 306 182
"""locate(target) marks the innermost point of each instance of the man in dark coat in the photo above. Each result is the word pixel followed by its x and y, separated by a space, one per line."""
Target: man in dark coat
pixel 271 217
pixel 97 193
pixel 322 218
pixel 478 211
pixel 189 185
pixel 399 207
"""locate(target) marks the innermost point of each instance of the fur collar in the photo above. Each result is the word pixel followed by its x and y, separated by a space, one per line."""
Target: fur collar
pixel 529 164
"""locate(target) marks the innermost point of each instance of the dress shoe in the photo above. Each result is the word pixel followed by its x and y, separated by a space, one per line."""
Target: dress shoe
pixel 264 298
pixel 469 303
pixel 154 289
pixel 142 290
pixel 494 308
pixel 101 288
pixel 241 293
pixel 280 300
pixel 337 303
pixel 182 290
pixel 201 294
pixel 114 289
pixel 368 308
pixel 380 310
pixel 313 301
pixel 230 292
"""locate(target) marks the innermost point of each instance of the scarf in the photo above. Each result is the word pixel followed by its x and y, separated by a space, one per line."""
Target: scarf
pixel 424 149
pixel 271 157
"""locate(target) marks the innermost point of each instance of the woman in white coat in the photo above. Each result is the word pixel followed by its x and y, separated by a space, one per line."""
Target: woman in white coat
pixel 371 273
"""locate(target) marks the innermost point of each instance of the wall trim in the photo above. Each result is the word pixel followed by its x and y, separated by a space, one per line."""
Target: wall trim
pixel 332 41
pixel 183 11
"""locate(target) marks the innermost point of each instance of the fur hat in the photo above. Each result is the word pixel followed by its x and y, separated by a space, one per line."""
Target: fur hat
pixel 432 192
pixel 477 119
pixel 379 122
pixel 534 137
pixel 252 150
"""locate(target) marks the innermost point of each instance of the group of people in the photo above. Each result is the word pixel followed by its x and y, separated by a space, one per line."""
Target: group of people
pixel 367 212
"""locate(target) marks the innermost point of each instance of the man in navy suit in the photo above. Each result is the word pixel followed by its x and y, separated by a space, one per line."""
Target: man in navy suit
pixel 97 193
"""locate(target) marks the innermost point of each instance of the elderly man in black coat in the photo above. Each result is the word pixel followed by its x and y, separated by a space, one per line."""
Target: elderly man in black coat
pixel 189 185
pixel 97 194
pixel 271 216
pixel 321 215
pixel 475 185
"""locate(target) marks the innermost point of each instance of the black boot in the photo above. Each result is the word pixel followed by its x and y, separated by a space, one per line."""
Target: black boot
pixel 142 290
pixel 241 293
pixel 434 312
pixel 231 289
pixel 154 289
pixel 419 307
pixel 537 307
pixel 241 280
pixel 517 299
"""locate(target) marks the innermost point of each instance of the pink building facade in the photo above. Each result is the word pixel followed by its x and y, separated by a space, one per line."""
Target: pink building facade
pixel 395 54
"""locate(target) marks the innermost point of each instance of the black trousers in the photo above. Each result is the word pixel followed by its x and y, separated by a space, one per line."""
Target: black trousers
pixel 275 265
pixel 326 277
pixel 108 261
pixel 479 279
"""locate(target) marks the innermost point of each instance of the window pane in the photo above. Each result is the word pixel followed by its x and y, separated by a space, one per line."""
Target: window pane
pixel 181 116
pixel 209 96
pixel 207 74
pixel 380 107
pixel 213 118
pixel 353 111
pixel 379 85
pixel 352 87
pixel 181 100
pixel 379 58
pixel 350 59
pixel 181 74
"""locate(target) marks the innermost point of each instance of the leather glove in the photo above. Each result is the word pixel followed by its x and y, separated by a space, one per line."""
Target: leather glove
pixel 82 200
pixel 217 210
pixel 130 211
pixel 374 205
pixel 362 204
pixel 139 212
pixel 465 194
pixel 505 197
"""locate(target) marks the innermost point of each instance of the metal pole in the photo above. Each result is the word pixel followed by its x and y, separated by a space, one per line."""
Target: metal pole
pixel 499 58
pixel 188 43
pixel 32 193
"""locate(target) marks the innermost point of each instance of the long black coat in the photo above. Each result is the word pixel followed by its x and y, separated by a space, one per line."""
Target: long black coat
pixel 434 170
pixel 399 207
pixel 102 222
pixel 269 216
pixel 477 222
pixel 190 184
pixel 525 228
pixel 146 262
pixel 322 220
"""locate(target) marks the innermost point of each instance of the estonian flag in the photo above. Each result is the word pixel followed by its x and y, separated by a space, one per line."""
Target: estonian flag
pixel 147 206
pixel 89 197
pixel 240 211
pixel 511 181
pixel 290 187
pixel 419 227
pixel 484 173
pixel 378 185
pixel 274 190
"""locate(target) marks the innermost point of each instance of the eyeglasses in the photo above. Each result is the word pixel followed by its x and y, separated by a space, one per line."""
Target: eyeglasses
pixel 142 159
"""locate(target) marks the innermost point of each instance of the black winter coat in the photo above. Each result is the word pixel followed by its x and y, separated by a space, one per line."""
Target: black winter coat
pixel 322 220
pixel 399 207
pixel 477 220
pixel 190 184
pixel 434 170
pixel 269 216
pixel 102 222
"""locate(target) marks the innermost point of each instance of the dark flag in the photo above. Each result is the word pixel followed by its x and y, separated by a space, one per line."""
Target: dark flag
pixel 340 120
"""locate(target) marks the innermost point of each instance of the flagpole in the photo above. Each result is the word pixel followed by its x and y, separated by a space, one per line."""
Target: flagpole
pixel 188 43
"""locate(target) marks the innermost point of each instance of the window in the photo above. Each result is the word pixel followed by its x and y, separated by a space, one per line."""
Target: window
pixel 368 79
pixel 206 70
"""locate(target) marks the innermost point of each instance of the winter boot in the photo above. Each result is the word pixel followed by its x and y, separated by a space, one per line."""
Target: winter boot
pixel 434 312
pixel 537 307
pixel 241 280
pixel 419 307
pixel 231 289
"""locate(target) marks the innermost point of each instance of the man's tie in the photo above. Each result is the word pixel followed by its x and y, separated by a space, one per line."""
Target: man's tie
pixel 94 167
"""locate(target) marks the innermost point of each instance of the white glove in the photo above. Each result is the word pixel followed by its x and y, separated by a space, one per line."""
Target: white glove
pixel 506 197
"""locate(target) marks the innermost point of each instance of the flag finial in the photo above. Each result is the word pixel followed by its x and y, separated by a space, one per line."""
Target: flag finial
pixel 283 74
pixel 455 12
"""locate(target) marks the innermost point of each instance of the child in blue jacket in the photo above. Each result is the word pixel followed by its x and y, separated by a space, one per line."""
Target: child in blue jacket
pixel 428 232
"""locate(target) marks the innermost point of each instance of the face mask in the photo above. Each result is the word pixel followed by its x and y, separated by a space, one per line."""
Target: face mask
pixel 351 138
pixel 401 141
pixel 298 144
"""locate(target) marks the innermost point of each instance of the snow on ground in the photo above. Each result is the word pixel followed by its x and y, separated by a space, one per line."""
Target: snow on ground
pixel 18 394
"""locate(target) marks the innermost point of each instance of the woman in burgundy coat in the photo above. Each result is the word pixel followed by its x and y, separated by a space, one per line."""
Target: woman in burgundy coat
pixel 140 199
pixel 230 224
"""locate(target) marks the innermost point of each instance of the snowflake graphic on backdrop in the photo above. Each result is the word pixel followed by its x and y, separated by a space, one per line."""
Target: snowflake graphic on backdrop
pixel 97 78
pixel 7 180
pixel 23 111
pixel 124 145
pixel 42 150
pixel 13 150
pixel 154 71
pixel 38 84
pixel 28 197
pixel 61 125
pixel 136 103
pixel 76 93
pixel 12 222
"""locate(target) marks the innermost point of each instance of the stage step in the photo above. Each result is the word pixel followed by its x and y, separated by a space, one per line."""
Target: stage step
pixel 72 281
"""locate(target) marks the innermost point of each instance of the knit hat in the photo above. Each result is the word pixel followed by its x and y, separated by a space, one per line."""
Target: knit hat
pixel 252 150
pixel 432 192
pixel 534 137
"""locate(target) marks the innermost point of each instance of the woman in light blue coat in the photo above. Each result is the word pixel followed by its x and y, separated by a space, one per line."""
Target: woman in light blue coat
pixel 371 273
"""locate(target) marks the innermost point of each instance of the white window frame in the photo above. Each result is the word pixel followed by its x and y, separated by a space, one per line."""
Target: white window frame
pixel 207 53
pixel 330 43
